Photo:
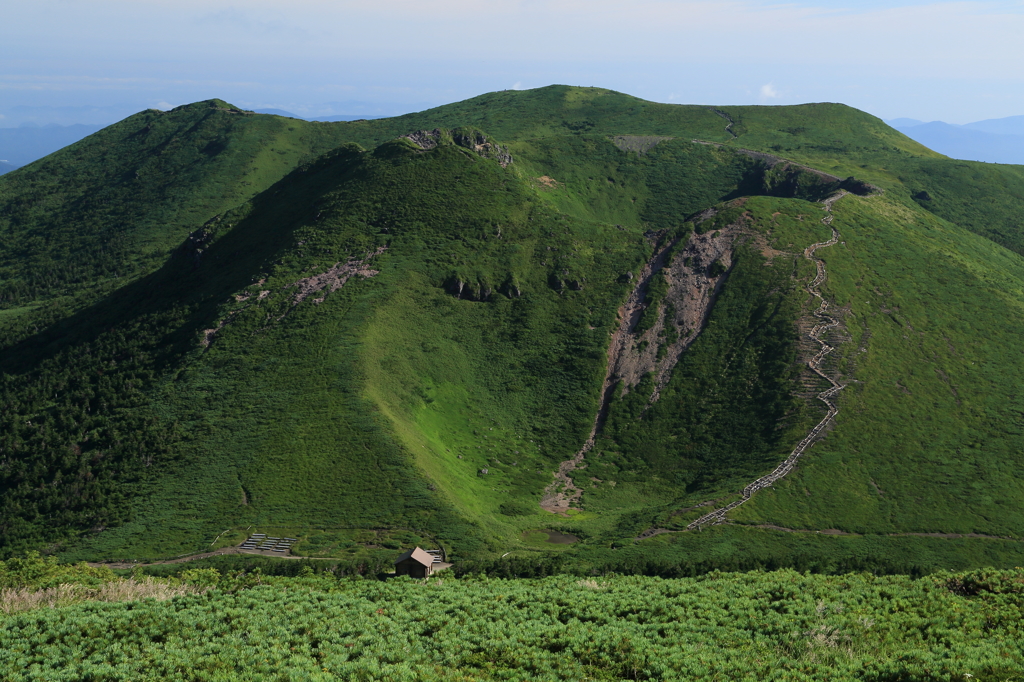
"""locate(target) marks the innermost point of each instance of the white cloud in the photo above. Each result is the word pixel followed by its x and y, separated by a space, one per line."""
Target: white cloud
pixel 164 105
pixel 768 91
pixel 518 85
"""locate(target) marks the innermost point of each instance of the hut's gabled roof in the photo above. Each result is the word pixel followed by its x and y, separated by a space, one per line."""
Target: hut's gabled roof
pixel 418 555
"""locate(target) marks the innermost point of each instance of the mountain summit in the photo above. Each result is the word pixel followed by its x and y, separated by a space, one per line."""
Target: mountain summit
pixel 647 330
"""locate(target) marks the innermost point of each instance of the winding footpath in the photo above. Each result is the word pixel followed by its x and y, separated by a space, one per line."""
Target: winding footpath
pixel 727 117
pixel 826 322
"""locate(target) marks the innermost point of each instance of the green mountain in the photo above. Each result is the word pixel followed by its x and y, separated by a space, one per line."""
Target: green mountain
pixel 560 309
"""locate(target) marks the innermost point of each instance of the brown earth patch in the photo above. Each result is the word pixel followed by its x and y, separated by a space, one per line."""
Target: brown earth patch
pixel 640 144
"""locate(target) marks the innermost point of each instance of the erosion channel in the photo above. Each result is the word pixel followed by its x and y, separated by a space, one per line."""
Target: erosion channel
pixel 693 267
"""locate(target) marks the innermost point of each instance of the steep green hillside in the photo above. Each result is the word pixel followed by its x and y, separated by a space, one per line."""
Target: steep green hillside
pixel 930 437
pixel 554 309
pixel 831 137
pixel 139 186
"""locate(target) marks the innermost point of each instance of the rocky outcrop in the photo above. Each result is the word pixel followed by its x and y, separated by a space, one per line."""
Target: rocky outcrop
pixel 478 142
pixel 783 177
pixel 466 291
pixel 511 288
pixel 425 139
pixel 467 138
pixel 198 241
pixel 335 278
pixel 332 280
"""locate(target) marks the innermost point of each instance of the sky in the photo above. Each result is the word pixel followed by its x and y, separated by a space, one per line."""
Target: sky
pixel 105 59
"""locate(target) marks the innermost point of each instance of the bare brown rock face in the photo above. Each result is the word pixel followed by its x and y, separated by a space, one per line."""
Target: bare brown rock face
pixel 693 283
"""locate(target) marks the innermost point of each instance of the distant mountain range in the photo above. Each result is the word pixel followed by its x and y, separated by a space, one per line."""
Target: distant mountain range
pixel 6 167
pixel 999 140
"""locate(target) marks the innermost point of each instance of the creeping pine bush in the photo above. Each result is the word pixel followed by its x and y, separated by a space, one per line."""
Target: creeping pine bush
pixel 780 625
pixel 38 572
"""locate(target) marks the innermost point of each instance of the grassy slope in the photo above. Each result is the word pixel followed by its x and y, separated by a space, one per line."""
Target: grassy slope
pixel 980 197
pixel 831 137
pixel 111 205
pixel 930 437
pixel 552 111
pixel 834 138
pixel 441 371
pixel 417 373
pixel 727 414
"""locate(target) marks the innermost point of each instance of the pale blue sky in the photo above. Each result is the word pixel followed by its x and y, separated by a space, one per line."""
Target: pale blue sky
pixel 954 61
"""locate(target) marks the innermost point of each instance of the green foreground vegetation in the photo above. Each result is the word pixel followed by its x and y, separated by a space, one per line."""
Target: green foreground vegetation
pixel 321 625
pixel 214 322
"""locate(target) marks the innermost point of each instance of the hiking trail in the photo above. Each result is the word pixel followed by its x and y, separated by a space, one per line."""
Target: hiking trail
pixel 727 117
pixel 826 322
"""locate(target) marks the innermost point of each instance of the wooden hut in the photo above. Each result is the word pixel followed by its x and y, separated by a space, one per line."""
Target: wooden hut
pixel 415 563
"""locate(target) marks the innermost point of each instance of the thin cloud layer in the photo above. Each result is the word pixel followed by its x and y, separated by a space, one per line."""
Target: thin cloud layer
pixel 965 55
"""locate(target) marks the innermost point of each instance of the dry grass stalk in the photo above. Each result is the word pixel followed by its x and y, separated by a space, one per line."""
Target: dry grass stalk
pixel 13 600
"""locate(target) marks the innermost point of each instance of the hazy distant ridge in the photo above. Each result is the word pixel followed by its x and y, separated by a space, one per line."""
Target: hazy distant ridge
pixel 999 140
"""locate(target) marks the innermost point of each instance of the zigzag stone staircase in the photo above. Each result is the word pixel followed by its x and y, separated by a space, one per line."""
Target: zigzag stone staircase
pixel 826 322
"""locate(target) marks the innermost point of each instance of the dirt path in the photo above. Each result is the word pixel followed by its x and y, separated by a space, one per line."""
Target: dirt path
pixel 194 557
pixel 954 536
pixel 651 532
pixel 825 323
